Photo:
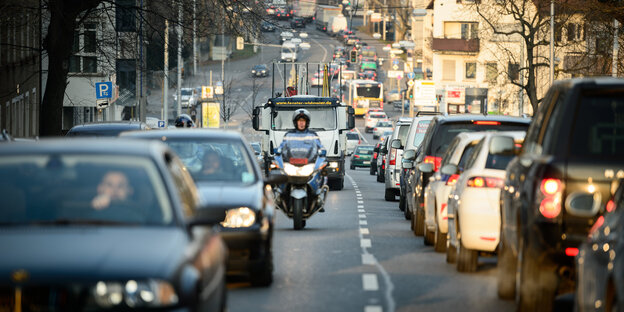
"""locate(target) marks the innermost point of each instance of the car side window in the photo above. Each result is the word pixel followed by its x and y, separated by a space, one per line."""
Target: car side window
pixel 184 185
pixel 446 158
pixel 551 133
pixel 474 155
pixel 532 143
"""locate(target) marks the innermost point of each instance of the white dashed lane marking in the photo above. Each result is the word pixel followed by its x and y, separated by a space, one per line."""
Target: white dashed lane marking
pixel 364 231
pixel 363 222
pixel 365 243
pixel 368 259
pixel 373 309
pixel 369 281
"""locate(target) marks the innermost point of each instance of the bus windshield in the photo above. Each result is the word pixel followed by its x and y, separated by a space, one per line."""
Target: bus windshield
pixel 368 91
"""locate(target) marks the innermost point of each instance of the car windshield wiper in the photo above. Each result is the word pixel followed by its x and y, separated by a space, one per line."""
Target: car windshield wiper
pixel 81 222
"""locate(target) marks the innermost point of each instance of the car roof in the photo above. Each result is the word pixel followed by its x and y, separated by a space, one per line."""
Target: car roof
pixel 185 133
pixel 129 124
pixel 100 146
pixel 476 117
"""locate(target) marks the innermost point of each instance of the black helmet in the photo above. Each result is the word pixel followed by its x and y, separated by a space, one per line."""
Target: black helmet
pixel 301 113
pixel 184 121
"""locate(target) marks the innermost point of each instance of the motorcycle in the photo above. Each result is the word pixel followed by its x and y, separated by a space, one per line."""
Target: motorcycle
pixel 304 193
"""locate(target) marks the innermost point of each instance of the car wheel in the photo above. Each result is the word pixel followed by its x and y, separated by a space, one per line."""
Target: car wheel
pixel 467 259
pixel 262 275
pixel 536 282
pixel 419 221
pixel 389 195
pixel 379 177
pixel 372 170
pixel 352 167
pixel 439 243
pixel 406 213
pixel 506 267
pixel 402 204
pixel 451 252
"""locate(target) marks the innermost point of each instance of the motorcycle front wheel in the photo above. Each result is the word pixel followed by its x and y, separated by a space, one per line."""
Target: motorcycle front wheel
pixel 298 222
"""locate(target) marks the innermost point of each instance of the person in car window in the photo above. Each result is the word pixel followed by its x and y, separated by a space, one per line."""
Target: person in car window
pixel 114 187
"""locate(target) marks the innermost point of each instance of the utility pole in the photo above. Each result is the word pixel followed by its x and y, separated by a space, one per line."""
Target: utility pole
pixel 385 9
pixel 616 47
pixel 179 90
pixel 164 112
pixel 194 38
pixel 552 41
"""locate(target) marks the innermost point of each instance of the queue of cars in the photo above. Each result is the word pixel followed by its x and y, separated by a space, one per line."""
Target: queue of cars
pixel 543 195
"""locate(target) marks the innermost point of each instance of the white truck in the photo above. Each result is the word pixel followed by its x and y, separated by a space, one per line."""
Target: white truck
pixel 330 119
pixel 289 51
pixel 336 24
pixel 305 9
pixel 324 13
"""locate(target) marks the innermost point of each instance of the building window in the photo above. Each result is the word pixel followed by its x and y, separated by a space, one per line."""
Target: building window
pixel 448 70
pixel 470 30
pixel 491 72
pixel 84 47
pixel 471 70
pixel 513 71
pixel 125 15
pixel 558 32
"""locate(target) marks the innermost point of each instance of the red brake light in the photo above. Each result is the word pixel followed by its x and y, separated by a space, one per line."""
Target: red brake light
pixel 550 205
pixel 571 251
pixel 485 182
pixel 596 226
pixel 610 206
pixel 298 161
pixel 375 155
pixel 436 161
pixel 550 186
pixel 487 122
pixel 393 157
pixel 356 156
pixel 452 180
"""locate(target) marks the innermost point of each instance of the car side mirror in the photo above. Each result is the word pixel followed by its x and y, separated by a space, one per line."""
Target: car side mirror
pixel 208 216
pixel 425 167
pixel 409 155
pixel 275 179
pixel 407 164
pixel 351 118
pixel 384 150
pixel 449 169
pixel 396 143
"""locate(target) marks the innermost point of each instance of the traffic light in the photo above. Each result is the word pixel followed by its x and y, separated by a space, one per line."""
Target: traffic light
pixel 353 56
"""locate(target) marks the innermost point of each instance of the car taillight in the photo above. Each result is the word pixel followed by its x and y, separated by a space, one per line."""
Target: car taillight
pixel 571 251
pixel 485 182
pixel 550 198
pixel 610 206
pixel 452 179
pixel 374 129
pixel 487 122
pixel 375 155
pixel 356 156
pixel 393 157
pixel 436 161
pixel 599 222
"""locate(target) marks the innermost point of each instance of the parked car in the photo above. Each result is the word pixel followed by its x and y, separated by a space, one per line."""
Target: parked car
pixel 557 187
pixel 381 127
pixel 353 139
pixel 260 70
pixel 105 225
pixel 371 119
pixel 439 188
pixel 442 129
pixel 474 200
pixel 392 176
pixel 415 136
pixel 599 261
pixel 361 156
pixel 105 128
pixel 223 167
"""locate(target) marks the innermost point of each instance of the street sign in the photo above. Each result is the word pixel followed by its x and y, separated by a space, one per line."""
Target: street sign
pixel 240 43
pixel 101 104
pixel 411 75
pixel 161 124
pixel 395 67
pixel 394 74
pixel 103 90
pixel 410 83
pixel 395 61
pixel 207 92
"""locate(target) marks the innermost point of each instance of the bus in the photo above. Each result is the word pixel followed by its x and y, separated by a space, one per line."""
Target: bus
pixel 365 94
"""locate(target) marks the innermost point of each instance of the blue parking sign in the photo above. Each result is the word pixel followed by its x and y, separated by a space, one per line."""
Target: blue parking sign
pixel 103 90
pixel 161 124
pixel 411 75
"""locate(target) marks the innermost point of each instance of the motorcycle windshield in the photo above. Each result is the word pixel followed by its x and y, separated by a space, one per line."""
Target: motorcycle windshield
pixel 300 153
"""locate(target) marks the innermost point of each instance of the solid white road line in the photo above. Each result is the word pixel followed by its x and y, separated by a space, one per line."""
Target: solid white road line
pixel 369 281
pixel 365 243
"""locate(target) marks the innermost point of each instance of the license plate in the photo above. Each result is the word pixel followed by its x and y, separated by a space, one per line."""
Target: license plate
pixel 366 162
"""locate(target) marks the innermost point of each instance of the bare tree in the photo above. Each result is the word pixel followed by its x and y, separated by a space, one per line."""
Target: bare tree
pixel 255 89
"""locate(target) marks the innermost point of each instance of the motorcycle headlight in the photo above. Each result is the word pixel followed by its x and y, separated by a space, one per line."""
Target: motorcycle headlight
pixel 239 217
pixel 148 293
pixel 298 171
pixel 333 164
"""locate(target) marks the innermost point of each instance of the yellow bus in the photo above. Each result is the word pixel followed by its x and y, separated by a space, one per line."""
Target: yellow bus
pixel 364 95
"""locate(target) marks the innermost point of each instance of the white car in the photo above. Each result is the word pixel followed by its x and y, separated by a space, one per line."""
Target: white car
pixel 353 139
pixel 474 202
pixel 372 118
pixel 439 188
pixel 381 127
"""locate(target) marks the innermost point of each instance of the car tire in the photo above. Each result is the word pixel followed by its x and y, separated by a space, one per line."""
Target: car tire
pixel 536 283
pixel 372 170
pixel 379 177
pixel 262 275
pixel 451 252
pixel 389 195
pixel 429 237
pixel 336 184
pixel 439 242
pixel 506 271
pixel 419 221
pixel 467 259
pixel 352 167
pixel 406 213
pixel 402 204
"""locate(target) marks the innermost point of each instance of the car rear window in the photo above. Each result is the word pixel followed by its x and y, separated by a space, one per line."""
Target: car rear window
pixel 378 116
pixel 599 126
pixel 447 131
pixel 353 136
pixel 364 150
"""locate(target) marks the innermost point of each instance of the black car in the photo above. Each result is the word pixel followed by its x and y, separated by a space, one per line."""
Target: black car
pixel 105 128
pixel 91 225
pixel 297 22
pixel 557 187
pixel 441 131
pixel 267 27
pixel 236 182
pixel 599 262
pixel 260 70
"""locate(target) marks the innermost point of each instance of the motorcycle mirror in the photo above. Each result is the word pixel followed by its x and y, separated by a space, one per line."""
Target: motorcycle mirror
pixel 274 179
pixel 276 151
pixel 323 153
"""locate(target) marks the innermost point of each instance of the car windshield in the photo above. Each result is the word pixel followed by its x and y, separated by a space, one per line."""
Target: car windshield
pixel 448 131
pixel 84 189
pixel 186 91
pixel 215 160
pixel 320 118
pixel 259 67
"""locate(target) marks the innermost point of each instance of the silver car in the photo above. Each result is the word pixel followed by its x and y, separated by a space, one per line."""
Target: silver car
pixel 392 175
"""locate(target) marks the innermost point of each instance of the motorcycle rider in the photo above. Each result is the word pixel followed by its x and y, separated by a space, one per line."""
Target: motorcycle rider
pixel 301 135
pixel 184 121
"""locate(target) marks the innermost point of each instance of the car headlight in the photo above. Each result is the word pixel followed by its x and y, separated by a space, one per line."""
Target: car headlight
pixel 239 217
pixel 298 171
pixel 148 293
pixel 333 164
pixel 264 71
pixel 253 71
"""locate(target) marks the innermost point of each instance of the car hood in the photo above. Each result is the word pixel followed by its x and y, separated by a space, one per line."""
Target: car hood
pixel 233 195
pixel 91 253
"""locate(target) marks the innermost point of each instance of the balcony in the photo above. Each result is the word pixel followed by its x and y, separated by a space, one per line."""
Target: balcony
pixel 456 45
